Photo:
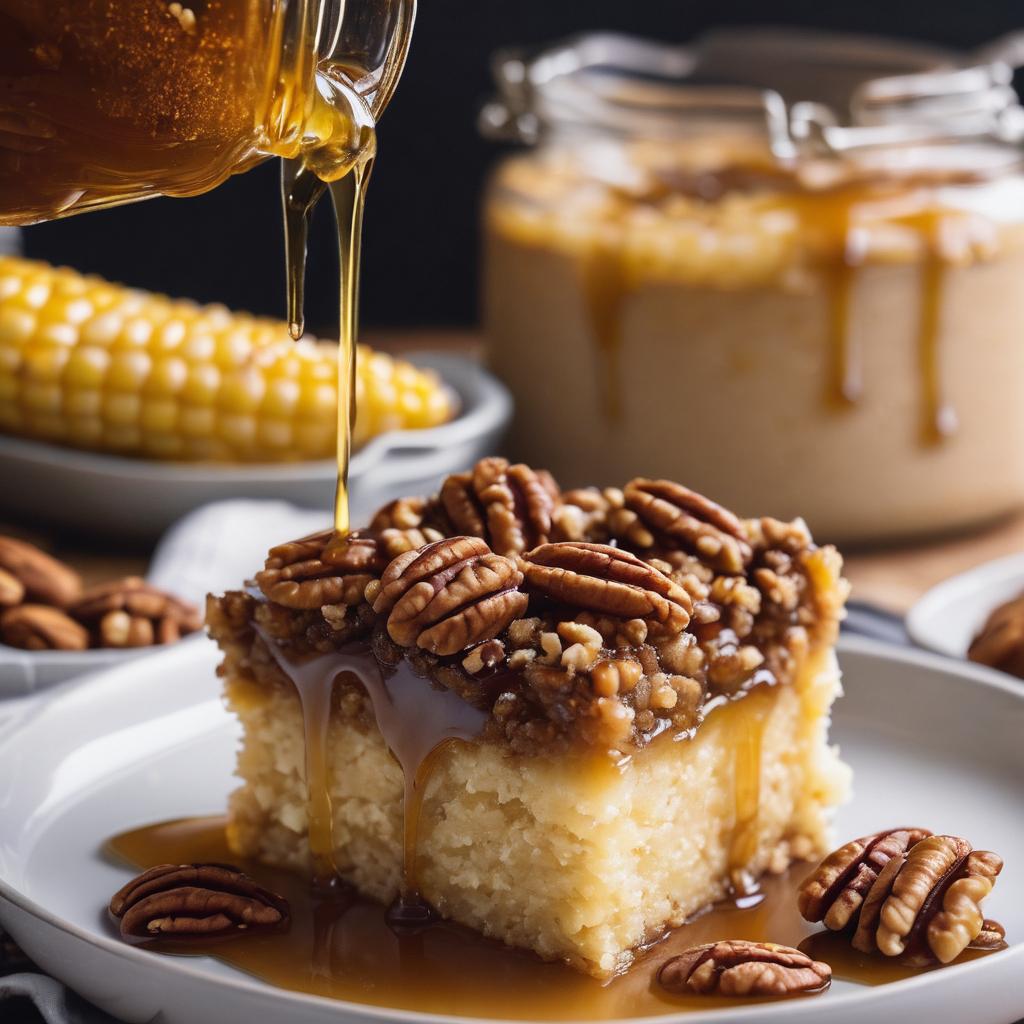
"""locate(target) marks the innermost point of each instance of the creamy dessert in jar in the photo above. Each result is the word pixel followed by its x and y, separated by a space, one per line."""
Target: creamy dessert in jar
pixel 805 316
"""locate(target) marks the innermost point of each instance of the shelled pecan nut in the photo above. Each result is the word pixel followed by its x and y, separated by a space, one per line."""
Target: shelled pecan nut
pixel 923 902
pixel 38 627
pixel 607 580
pixel 400 514
pixel 131 613
pixel 680 518
pixel 736 967
pixel 45 579
pixel 1000 643
pixel 835 892
pixel 330 569
pixel 509 506
pixel 193 901
pixel 449 596
pixel 12 590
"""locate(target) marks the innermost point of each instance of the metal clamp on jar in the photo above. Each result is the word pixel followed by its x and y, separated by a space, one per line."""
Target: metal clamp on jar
pixel 799 290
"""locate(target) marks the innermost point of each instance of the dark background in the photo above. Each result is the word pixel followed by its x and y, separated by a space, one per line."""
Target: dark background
pixel 421 250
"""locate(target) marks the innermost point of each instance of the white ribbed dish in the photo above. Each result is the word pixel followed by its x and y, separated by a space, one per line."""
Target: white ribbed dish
pixel 138 499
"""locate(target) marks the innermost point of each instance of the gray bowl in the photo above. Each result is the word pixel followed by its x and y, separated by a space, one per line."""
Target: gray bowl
pixel 138 499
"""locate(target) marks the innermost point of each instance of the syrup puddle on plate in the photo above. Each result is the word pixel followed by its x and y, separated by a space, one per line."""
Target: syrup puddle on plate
pixel 340 946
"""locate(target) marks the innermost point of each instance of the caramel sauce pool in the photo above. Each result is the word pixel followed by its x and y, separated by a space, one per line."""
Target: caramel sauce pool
pixel 341 947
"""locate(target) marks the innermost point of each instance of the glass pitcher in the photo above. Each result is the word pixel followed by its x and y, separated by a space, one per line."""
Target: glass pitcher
pixel 105 102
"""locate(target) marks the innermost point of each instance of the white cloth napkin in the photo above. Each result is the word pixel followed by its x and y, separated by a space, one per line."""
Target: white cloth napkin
pixel 218 546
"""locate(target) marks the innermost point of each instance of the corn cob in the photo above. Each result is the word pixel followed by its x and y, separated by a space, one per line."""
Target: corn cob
pixel 100 366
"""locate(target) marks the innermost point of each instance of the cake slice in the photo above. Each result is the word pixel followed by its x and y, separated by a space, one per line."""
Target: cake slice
pixel 568 720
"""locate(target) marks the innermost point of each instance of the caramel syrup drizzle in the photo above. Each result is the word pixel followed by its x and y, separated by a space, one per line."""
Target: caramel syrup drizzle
pixel 747 774
pixel 416 721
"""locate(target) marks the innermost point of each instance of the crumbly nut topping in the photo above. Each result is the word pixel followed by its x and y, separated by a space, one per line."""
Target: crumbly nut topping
pixel 607 616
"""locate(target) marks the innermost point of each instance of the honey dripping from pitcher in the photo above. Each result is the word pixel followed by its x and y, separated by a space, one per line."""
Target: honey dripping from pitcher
pixel 338 156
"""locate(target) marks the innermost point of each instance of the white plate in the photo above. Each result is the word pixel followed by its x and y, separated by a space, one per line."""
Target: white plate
pixel 947 618
pixel 139 498
pixel 931 743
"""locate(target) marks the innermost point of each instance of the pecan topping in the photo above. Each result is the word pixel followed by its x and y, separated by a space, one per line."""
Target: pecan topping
pixel 449 596
pixel 905 893
pixel 1000 644
pixel 609 581
pixel 44 578
pixel 305 574
pixel 735 967
pixel 193 901
pixel 37 627
pixel 400 514
pixel 329 569
pixel 679 518
pixel 131 613
pixel 509 506
pixel 12 590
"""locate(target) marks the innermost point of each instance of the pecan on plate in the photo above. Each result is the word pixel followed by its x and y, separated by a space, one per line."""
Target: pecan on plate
pixel 131 613
pixel 672 517
pixel 12 590
pixel 609 581
pixel 38 627
pixel 509 506
pixel 449 596
pixel 44 578
pixel 735 967
pixel 922 905
pixel 1000 643
pixel 195 901
pixel 835 892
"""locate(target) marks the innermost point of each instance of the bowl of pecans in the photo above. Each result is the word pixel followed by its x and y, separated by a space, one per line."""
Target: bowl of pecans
pixel 53 628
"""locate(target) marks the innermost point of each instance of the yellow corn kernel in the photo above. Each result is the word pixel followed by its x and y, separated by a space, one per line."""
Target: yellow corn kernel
pixel 100 366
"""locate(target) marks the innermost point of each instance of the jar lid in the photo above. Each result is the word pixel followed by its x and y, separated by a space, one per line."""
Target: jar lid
pixel 811 93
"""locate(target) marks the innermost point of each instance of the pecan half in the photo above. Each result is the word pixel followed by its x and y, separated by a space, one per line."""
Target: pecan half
pixel 681 519
pixel 609 581
pixel 330 569
pixel 400 514
pixel 44 578
pixel 509 506
pixel 298 575
pixel 835 891
pixel 12 590
pixel 131 613
pixel 449 596
pixel 38 627
pixel 915 895
pixel 735 967
pixel 1000 643
pixel 195 901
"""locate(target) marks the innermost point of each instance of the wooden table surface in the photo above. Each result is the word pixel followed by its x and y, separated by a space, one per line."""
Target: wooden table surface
pixel 892 578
